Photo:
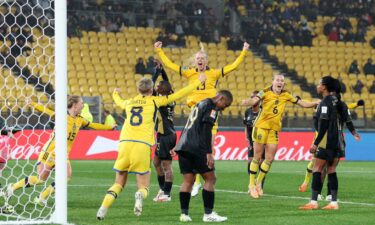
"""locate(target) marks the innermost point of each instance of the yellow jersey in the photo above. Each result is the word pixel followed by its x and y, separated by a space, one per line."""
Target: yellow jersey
pixel 208 88
pixel 141 111
pixel 74 124
pixel 352 105
pixel 272 108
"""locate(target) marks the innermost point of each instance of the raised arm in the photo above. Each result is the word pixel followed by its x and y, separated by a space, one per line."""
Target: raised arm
pixel 42 109
pixel 99 126
pixel 165 100
pixel 167 62
pixel 229 68
pixel 118 100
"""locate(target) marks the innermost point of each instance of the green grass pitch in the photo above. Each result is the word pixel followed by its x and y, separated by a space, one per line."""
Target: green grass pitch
pixel 280 204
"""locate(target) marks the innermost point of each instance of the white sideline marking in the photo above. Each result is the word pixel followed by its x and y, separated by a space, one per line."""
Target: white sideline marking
pixel 242 192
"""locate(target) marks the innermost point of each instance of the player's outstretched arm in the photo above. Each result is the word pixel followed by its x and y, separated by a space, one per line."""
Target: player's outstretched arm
pixel 251 101
pixel 99 126
pixel 229 68
pixel 165 100
pixel 39 107
pixel 165 60
pixel 306 104
pixel 117 99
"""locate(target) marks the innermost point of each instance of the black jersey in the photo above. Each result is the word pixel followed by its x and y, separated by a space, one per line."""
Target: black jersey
pixel 327 122
pixel 248 121
pixel 165 124
pixel 197 134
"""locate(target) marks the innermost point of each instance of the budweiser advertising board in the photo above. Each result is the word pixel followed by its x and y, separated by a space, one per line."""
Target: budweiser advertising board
pixel 229 145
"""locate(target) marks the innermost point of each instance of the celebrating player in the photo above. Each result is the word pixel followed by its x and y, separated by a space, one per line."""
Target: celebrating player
pixel 266 128
pixel 46 159
pixel 166 137
pixel 195 154
pixel 136 140
pixel 208 88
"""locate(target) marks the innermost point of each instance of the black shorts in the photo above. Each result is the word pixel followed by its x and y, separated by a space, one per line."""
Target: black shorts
pixel 165 143
pixel 192 163
pixel 327 154
pixel 341 153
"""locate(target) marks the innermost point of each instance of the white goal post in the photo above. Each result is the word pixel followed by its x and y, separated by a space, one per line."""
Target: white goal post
pixel 33 59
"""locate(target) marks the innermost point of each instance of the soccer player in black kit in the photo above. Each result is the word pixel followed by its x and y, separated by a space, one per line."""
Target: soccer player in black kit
pixel 166 137
pixel 328 143
pixel 195 154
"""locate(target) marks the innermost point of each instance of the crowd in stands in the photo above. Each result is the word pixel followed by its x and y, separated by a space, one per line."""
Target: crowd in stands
pixel 142 68
pixel 368 67
pixel 271 22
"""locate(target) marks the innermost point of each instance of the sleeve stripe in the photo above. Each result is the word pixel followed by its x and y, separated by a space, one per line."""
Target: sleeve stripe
pixel 222 72
pixel 180 71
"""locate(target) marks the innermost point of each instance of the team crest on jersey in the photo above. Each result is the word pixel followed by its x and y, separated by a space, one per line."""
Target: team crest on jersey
pixel 213 114
pixel 259 137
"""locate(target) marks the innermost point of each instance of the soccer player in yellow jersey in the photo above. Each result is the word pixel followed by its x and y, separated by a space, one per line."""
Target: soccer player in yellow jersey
pixel 267 125
pixel 46 159
pixel 136 139
pixel 310 165
pixel 208 88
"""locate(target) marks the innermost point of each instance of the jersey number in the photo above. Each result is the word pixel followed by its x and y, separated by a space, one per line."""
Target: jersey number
pixel 275 110
pixel 202 87
pixel 136 113
pixel 71 136
pixel 193 116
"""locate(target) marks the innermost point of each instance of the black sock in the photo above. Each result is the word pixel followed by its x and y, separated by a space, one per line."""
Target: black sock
pixel 161 180
pixel 334 185
pixel 328 188
pixel 208 201
pixel 184 202
pixel 167 188
pixel 316 185
pixel 248 168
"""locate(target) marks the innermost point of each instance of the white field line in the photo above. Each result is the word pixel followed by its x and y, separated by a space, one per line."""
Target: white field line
pixel 242 192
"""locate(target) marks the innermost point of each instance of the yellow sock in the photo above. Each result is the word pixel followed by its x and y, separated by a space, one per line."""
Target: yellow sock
pixel 264 168
pixel 48 191
pixel 197 179
pixel 144 192
pixel 111 195
pixel 254 166
pixel 308 173
pixel 27 182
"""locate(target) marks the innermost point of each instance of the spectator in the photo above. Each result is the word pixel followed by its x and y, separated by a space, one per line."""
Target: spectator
pixel 150 67
pixel 369 68
pixel 343 86
pixel 358 87
pixel 372 88
pixel 354 67
pixel 334 35
pixel 109 120
pixel 140 67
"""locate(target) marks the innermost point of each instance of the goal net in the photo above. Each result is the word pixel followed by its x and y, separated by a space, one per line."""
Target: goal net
pixel 27 74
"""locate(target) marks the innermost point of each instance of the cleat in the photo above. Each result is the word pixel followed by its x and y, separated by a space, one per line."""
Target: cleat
pixel 195 190
pixel 40 201
pixel 185 218
pixel 214 217
pixel 329 198
pixel 164 198
pixel 303 187
pixel 331 206
pixel 320 197
pixel 259 189
pixel 309 206
pixel 7 209
pixel 160 192
pixel 138 203
pixel 101 213
pixel 253 192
